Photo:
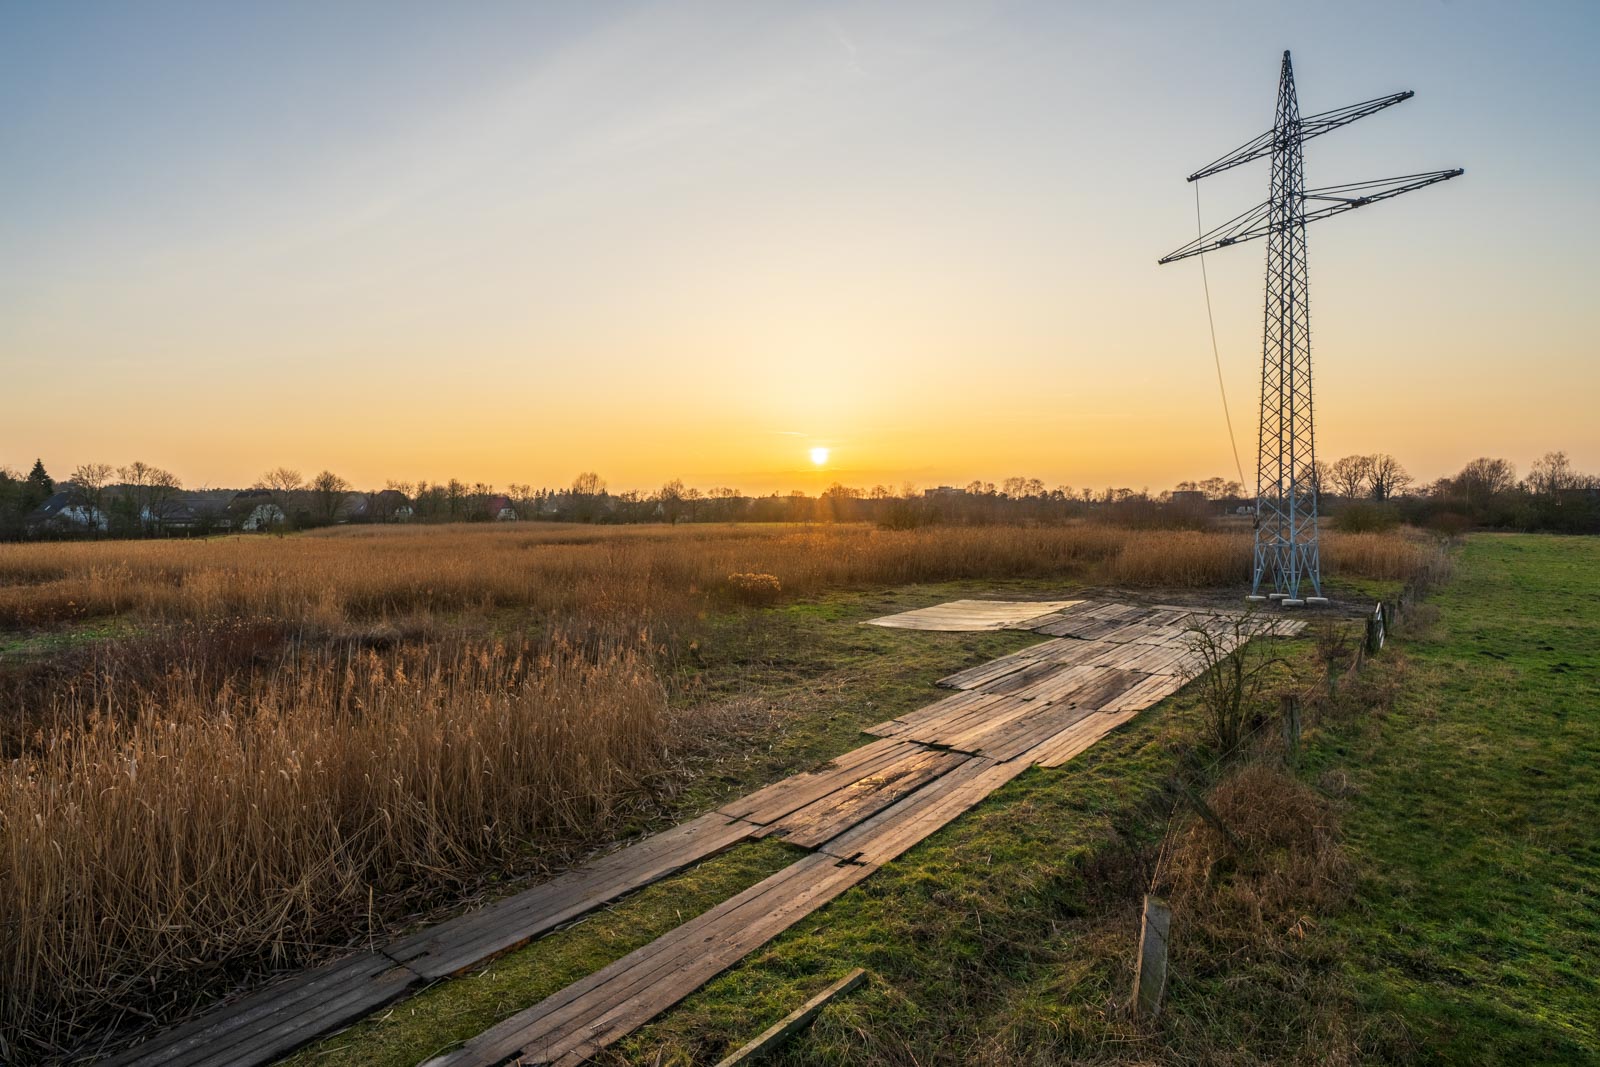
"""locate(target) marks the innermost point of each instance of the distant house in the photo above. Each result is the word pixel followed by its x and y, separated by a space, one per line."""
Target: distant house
pixel 500 508
pixel 254 509
pixel 67 512
pixel 944 491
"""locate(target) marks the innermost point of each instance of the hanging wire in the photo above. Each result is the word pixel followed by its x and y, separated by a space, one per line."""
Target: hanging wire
pixel 1216 354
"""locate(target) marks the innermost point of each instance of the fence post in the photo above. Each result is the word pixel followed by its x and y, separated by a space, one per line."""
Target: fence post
pixel 1291 728
pixel 1150 970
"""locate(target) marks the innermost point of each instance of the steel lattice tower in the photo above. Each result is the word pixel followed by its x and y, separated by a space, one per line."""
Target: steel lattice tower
pixel 1286 543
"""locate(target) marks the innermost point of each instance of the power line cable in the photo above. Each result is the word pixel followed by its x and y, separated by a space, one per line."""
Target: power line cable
pixel 1216 354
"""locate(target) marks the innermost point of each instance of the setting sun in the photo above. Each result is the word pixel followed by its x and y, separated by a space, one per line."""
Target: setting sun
pixel 819 456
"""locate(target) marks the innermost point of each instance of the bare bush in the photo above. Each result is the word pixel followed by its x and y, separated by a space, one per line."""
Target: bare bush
pixel 1233 668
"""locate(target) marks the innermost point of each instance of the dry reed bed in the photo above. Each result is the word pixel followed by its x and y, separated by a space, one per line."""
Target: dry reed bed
pixel 572 573
pixel 186 829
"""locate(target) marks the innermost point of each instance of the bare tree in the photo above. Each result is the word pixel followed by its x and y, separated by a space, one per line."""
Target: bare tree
pixel 149 494
pixel 1551 475
pixel 1385 475
pixel 587 488
pixel 671 498
pixel 1349 476
pixel 92 480
pixel 330 494
pixel 1484 479
pixel 281 483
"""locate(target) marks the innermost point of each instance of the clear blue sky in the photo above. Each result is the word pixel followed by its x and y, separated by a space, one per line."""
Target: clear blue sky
pixel 513 241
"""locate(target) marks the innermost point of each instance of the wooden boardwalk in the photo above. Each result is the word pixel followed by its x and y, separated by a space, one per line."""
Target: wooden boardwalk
pixel 1104 663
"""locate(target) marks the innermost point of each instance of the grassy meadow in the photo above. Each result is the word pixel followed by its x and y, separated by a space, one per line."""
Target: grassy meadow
pixel 228 756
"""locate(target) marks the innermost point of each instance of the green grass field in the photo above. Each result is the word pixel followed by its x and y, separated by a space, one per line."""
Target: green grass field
pixel 1468 933
pixel 1475 814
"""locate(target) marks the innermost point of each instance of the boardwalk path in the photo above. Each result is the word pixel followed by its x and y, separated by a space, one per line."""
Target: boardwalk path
pixel 1041 706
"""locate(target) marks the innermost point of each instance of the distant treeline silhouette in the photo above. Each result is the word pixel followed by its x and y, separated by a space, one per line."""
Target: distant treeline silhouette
pixel 1357 493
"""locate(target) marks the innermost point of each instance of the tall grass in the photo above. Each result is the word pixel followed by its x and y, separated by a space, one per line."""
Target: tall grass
pixel 585 573
pixel 288 743
pixel 188 826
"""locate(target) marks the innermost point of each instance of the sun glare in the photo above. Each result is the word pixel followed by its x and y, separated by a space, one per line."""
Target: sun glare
pixel 819 456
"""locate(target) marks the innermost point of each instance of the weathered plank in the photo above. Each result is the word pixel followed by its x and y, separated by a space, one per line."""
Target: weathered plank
pixel 775 1034
pixel 572 1024
pixel 892 831
pixel 1153 689
pixel 274 1021
pixel 843 808
pixel 972 677
pixel 1078 737
pixel 779 799
pixel 908 726
pixel 960 615
pixel 470 939
pixel 957 732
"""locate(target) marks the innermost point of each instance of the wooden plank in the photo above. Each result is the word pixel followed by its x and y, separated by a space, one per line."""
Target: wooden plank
pixel 779 799
pixel 1024 737
pixel 1152 690
pixel 1078 738
pixel 961 615
pixel 577 1021
pixel 978 737
pixel 896 829
pixel 972 677
pixel 780 1031
pixel 955 733
pixel 842 809
pixel 274 1021
pixel 1065 681
pixel 1102 687
pixel 469 940
pixel 969 700
pixel 1026 677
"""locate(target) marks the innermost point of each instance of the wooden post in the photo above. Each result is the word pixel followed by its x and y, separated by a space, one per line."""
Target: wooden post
pixel 1150 971
pixel 1291 728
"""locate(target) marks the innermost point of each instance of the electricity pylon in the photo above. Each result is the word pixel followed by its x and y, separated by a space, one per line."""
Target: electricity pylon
pixel 1286 550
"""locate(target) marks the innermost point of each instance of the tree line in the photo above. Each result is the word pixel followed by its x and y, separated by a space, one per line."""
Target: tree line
pixel 1359 492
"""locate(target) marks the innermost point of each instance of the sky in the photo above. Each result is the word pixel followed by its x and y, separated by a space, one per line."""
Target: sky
pixel 510 242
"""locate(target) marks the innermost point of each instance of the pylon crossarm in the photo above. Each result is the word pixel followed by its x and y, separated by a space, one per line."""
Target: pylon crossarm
pixel 1358 194
pixel 1311 126
pixel 1317 204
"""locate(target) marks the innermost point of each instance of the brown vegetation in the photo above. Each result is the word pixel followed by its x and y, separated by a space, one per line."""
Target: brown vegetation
pixel 372 573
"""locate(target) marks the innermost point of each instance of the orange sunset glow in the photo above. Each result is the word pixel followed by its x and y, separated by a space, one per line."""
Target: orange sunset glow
pixel 929 242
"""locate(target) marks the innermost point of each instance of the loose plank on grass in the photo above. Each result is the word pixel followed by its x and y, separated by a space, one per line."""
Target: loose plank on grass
pixel 573 1023
pixel 779 1031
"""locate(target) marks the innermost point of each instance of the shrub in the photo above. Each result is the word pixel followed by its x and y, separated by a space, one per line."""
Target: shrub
pixel 755 588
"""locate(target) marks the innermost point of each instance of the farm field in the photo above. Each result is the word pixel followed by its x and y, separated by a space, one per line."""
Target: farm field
pixel 234 756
